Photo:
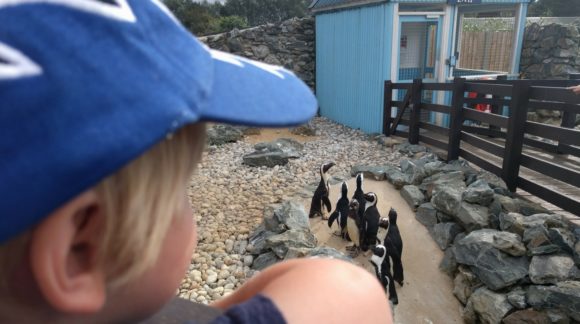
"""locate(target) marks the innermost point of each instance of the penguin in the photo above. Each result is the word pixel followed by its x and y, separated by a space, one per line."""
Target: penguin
pixel 340 213
pixel 380 261
pixel 359 196
pixel 394 244
pixel 353 227
pixel 371 221
pixel 321 193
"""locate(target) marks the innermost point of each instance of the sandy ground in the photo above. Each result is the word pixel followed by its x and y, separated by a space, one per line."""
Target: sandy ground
pixel 426 296
pixel 271 134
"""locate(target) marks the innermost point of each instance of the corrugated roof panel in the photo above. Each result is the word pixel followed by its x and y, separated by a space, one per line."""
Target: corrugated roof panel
pixel 323 5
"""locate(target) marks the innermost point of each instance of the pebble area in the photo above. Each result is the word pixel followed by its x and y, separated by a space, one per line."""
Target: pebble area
pixel 228 200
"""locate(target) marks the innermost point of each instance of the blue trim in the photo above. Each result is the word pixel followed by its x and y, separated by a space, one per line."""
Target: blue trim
pixel 520 37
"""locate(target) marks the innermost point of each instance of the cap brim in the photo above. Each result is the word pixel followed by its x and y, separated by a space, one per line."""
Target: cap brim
pixel 256 94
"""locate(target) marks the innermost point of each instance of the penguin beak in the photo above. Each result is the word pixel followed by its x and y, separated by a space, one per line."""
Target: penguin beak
pixel 328 166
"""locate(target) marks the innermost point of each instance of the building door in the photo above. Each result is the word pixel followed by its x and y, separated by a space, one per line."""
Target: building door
pixel 419 53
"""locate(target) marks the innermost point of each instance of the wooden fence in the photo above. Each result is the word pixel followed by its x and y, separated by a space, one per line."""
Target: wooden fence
pixel 486 50
pixel 512 140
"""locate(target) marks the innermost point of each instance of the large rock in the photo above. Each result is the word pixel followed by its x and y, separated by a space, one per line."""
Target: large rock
pixel 518 223
pixel 396 177
pixel 473 217
pixel 563 238
pixel 448 264
pixel 464 284
pixel 432 168
pixel 410 149
pixel 453 179
pixel 479 192
pixel 529 208
pixel 328 252
pixel 517 298
pixel 221 134
pixel 414 170
pixel 280 243
pixel 267 159
pixel 550 269
pixel 304 130
pixel 490 178
pixel 413 196
pixel 444 233
pixel 447 199
pixel 564 296
pixel 274 153
pixel 257 241
pixel 509 205
pixel 496 269
pixel 538 241
pixel 288 215
pixel 427 215
pixel 371 172
pixel 265 260
pixel 489 306
pixel 290 147
pixel 528 316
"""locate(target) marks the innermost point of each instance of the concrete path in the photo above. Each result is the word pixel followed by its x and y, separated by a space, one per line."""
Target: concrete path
pixel 426 296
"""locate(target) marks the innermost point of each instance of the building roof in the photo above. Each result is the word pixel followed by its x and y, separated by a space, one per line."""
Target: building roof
pixel 324 5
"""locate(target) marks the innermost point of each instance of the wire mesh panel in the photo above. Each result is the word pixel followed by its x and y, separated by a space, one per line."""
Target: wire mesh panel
pixel 485 42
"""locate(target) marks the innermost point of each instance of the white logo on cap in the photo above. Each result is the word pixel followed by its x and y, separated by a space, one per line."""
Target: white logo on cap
pixel 16 65
pixel 239 61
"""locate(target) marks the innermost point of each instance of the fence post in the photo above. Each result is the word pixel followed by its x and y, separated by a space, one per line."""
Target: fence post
pixel 456 119
pixel 495 109
pixel 515 133
pixel 387 98
pixel 415 112
pixel 568 118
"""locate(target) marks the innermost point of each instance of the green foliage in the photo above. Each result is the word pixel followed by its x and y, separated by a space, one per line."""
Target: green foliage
pixel 209 18
pixel 230 22
pixel 555 8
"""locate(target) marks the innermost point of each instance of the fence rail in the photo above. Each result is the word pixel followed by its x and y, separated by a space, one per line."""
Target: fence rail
pixel 497 143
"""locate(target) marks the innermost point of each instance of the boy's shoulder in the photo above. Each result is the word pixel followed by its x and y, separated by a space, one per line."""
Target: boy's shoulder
pixel 257 310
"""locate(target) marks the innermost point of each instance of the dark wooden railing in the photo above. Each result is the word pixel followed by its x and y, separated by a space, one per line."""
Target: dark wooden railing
pixel 503 136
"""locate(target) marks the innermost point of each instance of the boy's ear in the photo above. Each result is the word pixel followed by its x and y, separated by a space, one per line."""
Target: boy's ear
pixel 63 256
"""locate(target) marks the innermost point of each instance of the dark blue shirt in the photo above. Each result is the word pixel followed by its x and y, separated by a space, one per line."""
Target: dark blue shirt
pixel 257 310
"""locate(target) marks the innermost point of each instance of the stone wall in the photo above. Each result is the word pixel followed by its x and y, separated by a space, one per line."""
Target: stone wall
pixel 289 43
pixel 550 51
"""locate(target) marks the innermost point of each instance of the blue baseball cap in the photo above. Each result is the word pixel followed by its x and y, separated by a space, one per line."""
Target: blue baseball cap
pixel 87 86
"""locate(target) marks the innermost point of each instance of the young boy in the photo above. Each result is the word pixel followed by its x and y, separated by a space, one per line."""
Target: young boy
pixel 102 105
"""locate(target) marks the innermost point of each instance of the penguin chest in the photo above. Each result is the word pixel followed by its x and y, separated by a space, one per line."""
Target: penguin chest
pixel 353 232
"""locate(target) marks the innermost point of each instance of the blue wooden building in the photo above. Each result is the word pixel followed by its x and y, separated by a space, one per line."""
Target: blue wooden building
pixel 362 43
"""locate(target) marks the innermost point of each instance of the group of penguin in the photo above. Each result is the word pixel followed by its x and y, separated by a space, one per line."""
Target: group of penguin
pixel 359 220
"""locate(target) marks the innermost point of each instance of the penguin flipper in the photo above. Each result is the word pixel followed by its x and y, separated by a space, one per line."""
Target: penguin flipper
pixel 332 218
pixel 326 202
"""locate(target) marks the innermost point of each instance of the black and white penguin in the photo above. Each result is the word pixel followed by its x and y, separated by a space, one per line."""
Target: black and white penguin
pixel 381 263
pixel 353 227
pixel 321 193
pixel 393 239
pixel 359 196
pixel 371 221
pixel 340 213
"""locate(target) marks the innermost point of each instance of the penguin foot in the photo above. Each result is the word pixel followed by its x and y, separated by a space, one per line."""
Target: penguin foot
pixel 337 234
pixel 400 283
pixel 394 300
pixel 351 247
pixel 354 252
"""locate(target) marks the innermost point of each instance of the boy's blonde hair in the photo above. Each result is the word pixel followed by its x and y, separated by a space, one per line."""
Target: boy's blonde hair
pixel 139 203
